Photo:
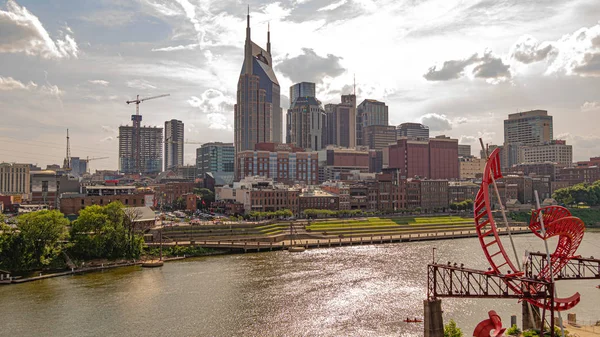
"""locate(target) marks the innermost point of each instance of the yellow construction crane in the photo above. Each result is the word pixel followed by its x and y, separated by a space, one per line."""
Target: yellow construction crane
pixel 88 159
pixel 137 121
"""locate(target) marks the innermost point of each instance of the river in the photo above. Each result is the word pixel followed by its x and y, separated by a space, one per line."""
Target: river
pixel 347 291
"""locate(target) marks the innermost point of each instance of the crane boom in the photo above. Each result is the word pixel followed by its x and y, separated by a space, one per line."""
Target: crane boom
pixel 138 100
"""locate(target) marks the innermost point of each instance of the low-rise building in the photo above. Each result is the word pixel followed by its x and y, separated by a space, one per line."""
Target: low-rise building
pixel 342 190
pixel 470 167
pixel 281 162
pixel 317 199
pixel 576 175
pixel 459 191
pixel 15 179
pixel 335 161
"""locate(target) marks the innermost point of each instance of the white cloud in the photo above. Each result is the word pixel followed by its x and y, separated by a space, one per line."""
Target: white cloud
pixel 436 122
pixel 99 82
pixel 590 106
pixel 217 107
pixel 460 120
pixel 211 101
pixel 52 90
pixel 578 53
pixel 9 83
pixel 108 129
pixel 528 50
pixel 332 6
pixel 179 47
pixel 107 139
pixel 22 32
pixel 140 84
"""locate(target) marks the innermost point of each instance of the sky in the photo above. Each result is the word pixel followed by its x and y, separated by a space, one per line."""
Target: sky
pixel 458 66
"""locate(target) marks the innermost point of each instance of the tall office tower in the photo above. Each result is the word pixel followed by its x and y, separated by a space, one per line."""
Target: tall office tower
pixel 330 129
pixel 525 128
pixel 371 113
pixel 173 144
pixel 257 113
pixel 151 156
pixel 302 89
pixel 413 131
pixel 215 157
pixel 304 119
pixel 341 122
pixel 347 121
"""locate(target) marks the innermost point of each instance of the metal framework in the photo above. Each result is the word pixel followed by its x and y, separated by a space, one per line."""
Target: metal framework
pixel 558 222
pixel 577 268
pixel 457 281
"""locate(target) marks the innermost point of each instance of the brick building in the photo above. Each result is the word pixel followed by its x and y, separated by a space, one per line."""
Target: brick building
pixel 340 189
pixel 318 199
pixel 436 158
pixel 335 161
pixel 281 162
pixel 73 203
pixel 576 175
pixel 461 191
pixel 167 193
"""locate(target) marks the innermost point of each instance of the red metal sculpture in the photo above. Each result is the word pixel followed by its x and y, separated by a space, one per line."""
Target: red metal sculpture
pixel 558 222
pixel 485 327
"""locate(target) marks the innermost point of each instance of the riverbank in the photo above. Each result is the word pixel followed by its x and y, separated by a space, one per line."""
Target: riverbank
pixel 103 267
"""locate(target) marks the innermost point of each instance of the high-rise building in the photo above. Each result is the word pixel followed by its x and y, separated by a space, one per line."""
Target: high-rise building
pixel 330 129
pixel 368 113
pixel 151 156
pixel 257 112
pixel 464 150
pixel 341 122
pixel 556 151
pixel 413 131
pixel 302 89
pixel 14 179
pixel 304 120
pixel 215 157
pixel 376 137
pixel 174 142
pixel 522 129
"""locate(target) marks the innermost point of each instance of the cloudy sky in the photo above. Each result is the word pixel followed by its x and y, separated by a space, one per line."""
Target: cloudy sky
pixel 459 67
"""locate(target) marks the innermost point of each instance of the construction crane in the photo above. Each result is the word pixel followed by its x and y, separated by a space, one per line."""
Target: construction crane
pixel 137 121
pixel 88 159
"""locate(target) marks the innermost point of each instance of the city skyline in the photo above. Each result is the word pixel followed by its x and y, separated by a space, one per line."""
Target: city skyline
pixel 460 77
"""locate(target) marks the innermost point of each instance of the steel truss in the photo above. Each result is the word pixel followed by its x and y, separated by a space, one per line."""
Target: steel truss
pixel 578 268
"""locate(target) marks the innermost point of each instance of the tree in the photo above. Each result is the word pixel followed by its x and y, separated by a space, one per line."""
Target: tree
pixel 106 232
pixel 513 331
pixel 451 330
pixel 205 194
pixel 179 203
pixel 43 236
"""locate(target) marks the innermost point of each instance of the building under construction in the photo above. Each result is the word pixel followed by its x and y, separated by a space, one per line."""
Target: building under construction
pixel 150 157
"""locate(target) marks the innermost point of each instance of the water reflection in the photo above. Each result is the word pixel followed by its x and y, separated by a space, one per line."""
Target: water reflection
pixel 349 291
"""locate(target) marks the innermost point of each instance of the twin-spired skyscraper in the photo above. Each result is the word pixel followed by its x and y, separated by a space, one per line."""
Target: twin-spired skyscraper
pixel 257 112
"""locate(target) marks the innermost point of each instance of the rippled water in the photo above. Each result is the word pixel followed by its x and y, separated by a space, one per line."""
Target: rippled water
pixel 345 291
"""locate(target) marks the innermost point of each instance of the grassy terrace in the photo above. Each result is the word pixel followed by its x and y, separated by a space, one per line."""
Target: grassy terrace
pixel 379 226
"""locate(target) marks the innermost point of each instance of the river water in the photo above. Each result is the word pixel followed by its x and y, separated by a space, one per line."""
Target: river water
pixel 346 291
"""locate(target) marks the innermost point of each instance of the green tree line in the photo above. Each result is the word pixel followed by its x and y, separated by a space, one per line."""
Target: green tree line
pixel 41 239
pixel 588 194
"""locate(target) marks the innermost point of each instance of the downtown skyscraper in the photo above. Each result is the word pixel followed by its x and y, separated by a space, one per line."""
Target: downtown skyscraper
pixel 257 112
pixel 173 144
